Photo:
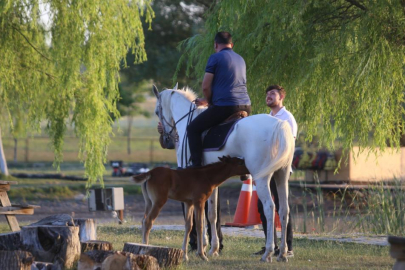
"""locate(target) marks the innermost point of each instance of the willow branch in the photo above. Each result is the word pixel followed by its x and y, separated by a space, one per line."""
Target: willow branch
pixel 28 41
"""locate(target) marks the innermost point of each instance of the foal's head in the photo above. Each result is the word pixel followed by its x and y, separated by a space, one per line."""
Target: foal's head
pixel 237 165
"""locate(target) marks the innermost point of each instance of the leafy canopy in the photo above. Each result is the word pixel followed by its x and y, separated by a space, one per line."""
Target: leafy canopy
pixel 60 62
pixel 341 62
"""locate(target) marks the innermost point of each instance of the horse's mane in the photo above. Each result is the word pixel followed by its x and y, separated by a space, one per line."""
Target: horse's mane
pixel 188 93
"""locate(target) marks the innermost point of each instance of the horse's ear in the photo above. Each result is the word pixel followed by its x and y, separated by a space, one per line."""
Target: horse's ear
pixel 155 91
pixel 175 87
pixel 221 158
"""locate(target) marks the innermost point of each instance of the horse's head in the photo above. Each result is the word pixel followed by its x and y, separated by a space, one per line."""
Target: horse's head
pixel 162 108
pixel 237 164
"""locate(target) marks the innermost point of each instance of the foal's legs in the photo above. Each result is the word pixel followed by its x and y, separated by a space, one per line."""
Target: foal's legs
pixel 199 219
pixel 148 220
pixel 212 216
pixel 281 178
pixel 188 210
pixel 263 192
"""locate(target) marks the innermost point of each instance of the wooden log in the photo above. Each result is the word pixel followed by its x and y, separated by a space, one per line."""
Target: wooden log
pixel 10 241
pixel 15 260
pixel 56 244
pixel 93 259
pixel 95 245
pixel 397 251
pixel 56 220
pixel 18 209
pixel 87 228
pixel 166 257
pixel 135 262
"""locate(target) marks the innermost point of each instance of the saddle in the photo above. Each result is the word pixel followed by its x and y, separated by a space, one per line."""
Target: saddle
pixel 215 138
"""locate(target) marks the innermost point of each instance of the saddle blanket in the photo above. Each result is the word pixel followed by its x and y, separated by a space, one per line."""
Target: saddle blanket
pixel 217 136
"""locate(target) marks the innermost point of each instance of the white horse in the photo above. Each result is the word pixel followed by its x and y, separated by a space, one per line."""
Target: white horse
pixel 265 142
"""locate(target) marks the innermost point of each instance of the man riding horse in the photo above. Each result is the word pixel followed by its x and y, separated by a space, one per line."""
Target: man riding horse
pixel 225 92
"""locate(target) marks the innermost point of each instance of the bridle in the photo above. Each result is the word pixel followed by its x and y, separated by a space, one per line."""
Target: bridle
pixel 162 119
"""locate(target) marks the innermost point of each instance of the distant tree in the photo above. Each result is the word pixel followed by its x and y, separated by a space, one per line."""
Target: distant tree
pixel 341 61
pixel 60 63
pixel 175 21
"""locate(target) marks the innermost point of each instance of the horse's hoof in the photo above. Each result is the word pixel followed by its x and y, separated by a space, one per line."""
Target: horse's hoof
pixel 185 258
pixel 214 253
pixel 204 258
pixel 266 259
pixel 281 258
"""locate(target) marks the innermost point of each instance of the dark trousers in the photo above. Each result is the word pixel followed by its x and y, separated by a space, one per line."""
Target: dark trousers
pixel 193 233
pixel 212 116
pixel 273 189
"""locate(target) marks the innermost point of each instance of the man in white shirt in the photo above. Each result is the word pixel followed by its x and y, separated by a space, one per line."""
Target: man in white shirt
pixel 275 95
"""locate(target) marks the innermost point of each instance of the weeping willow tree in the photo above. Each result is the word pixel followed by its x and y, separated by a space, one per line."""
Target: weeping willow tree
pixel 341 62
pixel 60 63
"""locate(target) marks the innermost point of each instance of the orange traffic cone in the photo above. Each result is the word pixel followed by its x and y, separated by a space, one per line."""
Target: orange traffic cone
pixel 277 222
pixel 242 210
pixel 254 216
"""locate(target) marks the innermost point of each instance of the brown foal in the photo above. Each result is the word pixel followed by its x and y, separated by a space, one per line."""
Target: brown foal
pixel 193 186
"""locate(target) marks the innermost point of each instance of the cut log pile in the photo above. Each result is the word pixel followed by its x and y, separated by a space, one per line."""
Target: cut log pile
pixel 61 242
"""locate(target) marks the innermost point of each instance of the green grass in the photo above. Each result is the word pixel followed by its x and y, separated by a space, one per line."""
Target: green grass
pixel 309 254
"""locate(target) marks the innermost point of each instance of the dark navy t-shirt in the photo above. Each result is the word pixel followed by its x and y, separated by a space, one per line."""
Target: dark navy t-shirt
pixel 229 84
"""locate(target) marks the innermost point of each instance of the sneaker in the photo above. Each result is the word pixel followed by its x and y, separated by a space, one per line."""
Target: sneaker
pixel 260 252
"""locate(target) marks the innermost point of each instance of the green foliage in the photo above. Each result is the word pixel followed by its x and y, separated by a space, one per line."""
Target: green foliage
pixel 175 21
pixel 60 62
pixel 341 62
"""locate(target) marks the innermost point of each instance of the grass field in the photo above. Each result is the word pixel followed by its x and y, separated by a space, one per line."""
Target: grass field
pixel 309 254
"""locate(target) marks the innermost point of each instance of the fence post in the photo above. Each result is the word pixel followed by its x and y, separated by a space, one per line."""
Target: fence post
pixel 27 140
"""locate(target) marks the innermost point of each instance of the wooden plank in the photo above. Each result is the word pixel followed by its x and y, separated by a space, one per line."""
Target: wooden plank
pixel 11 219
pixel 8 182
pixel 4 187
pixel 10 210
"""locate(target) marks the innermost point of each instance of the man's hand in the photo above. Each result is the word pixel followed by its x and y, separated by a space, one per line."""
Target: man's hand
pixel 201 102
pixel 160 128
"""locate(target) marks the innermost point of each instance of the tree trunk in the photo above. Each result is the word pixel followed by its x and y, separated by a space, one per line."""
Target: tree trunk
pixel 10 241
pixel 56 244
pixel 166 257
pixel 130 118
pixel 3 162
pixel 87 229
pixel 397 251
pixel 15 260
pixel 95 245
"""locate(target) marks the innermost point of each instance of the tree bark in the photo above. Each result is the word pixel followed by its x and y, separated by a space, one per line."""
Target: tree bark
pixel 10 241
pixel 3 162
pixel 95 245
pixel 166 257
pixel 87 229
pixel 56 244
pixel 15 260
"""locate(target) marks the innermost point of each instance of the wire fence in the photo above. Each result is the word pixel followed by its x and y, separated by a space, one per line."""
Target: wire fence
pixel 39 149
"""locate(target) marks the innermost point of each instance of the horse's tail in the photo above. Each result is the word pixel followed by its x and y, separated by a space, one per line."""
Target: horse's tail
pixel 140 178
pixel 282 146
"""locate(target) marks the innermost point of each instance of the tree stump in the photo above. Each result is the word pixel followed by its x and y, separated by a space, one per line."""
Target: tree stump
pixel 56 220
pixel 56 244
pixel 15 260
pixel 146 262
pixel 397 251
pixel 10 241
pixel 87 229
pixel 166 257
pixel 92 259
pixel 95 245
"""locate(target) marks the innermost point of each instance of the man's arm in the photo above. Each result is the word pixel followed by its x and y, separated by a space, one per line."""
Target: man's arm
pixel 206 86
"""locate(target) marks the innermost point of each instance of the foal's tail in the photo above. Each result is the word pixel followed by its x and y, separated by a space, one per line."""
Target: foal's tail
pixel 282 146
pixel 140 178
